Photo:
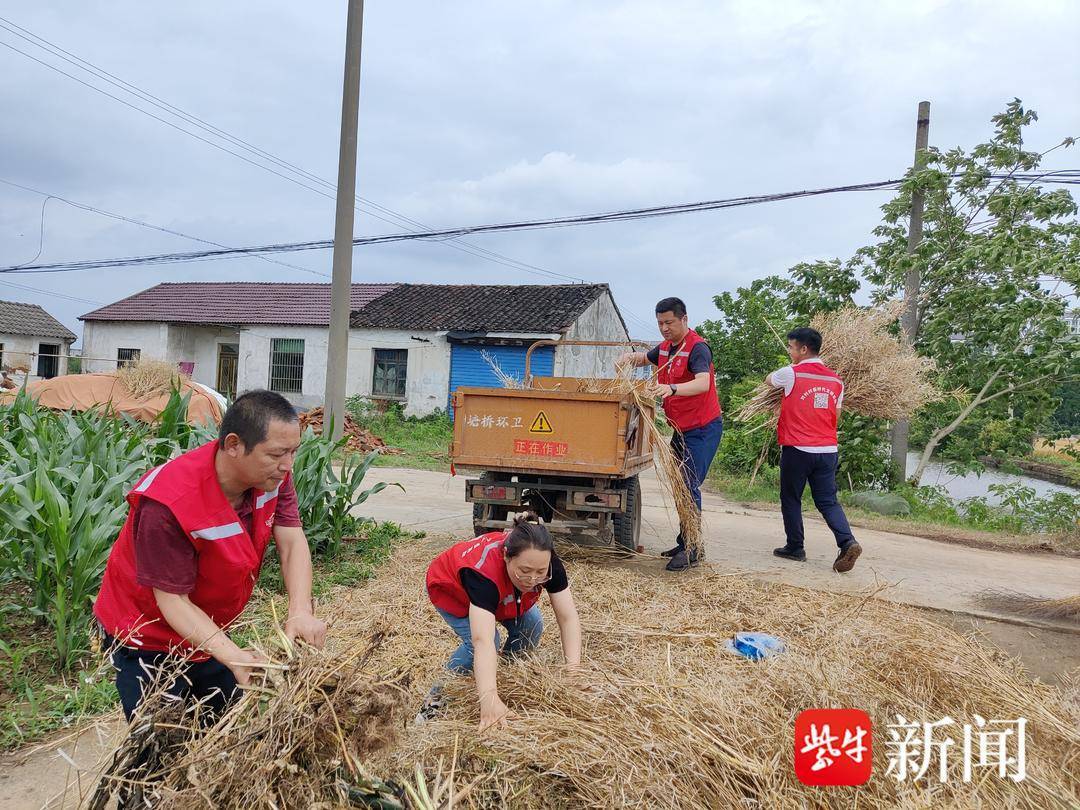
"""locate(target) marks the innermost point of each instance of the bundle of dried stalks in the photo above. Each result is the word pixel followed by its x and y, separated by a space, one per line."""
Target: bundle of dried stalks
pixel 505 380
pixel 299 739
pixel 663 716
pixel 147 378
pixel 883 377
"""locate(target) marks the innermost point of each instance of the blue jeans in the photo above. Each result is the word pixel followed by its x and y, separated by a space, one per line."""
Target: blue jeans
pixel 521 635
pixel 696 449
pixel 797 468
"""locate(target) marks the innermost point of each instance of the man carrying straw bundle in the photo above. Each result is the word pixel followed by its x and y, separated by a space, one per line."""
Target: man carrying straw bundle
pixel 186 561
pixel 687 381
pixel 813 394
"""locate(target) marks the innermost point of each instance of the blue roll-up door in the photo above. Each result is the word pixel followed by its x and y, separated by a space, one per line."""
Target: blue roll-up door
pixel 468 367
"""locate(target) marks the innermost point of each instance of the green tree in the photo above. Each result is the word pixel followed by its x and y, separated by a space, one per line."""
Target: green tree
pixel 744 338
pixel 999 256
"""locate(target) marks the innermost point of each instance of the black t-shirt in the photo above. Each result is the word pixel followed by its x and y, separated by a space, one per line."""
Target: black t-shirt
pixel 700 358
pixel 485 594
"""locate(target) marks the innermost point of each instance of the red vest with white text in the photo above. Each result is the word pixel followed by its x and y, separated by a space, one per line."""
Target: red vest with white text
pixel 484 554
pixel 686 413
pixel 229 558
pixel 808 414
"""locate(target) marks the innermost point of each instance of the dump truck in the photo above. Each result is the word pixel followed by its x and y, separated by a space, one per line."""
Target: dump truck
pixel 558 447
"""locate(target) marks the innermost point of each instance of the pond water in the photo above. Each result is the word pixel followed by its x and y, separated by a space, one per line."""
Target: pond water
pixel 960 487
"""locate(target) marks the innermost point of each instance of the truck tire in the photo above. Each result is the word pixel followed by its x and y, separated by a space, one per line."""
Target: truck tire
pixel 627 525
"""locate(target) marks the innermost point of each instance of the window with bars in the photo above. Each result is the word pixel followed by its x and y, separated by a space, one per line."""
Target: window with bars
pixel 127 357
pixel 287 365
pixel 388 380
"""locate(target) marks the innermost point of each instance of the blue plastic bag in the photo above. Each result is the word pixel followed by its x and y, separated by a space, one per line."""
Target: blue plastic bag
pixel 755 646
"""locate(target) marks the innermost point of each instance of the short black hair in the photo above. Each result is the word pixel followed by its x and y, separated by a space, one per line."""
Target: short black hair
pixel 250 414
pixel 808 337
pixel 673 305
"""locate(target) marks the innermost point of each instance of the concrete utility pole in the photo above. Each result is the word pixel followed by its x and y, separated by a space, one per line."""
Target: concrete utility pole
pixel 909 318
pixel 337 350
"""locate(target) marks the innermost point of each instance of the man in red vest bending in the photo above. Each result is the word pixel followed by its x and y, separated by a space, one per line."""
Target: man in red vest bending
pixel 687 382
pixel 813 394
pixel 186 561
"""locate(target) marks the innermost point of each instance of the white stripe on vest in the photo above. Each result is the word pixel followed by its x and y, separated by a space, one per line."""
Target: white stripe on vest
pixel 150 476
pixel 484 553
pixel 219 532
pixel 817 377
pixel 261 501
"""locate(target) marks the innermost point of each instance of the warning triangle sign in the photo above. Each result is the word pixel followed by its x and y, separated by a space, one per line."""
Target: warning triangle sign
pixel 541 424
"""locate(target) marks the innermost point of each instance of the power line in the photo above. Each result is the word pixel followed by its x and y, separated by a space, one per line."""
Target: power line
pixel 51 293
pixel 1069 176
pixel 189 118
pixel 142 224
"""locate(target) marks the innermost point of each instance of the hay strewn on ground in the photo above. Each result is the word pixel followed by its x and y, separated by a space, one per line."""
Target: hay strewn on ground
pixel 662 716
pixel 882 376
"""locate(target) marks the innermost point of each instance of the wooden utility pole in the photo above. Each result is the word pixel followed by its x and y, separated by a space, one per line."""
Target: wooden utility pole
pixel 909 318
pixel 337 349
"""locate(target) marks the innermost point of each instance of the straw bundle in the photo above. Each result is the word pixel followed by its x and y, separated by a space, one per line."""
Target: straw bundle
pixel 883 377
pixel 299 738
pixel 147 378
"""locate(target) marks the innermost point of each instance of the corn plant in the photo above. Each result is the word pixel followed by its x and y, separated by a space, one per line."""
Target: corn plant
pixel 63 478
pixel 326 499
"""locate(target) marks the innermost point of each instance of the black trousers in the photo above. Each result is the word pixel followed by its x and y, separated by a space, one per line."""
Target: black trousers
pixel 797 469
pixel 208 681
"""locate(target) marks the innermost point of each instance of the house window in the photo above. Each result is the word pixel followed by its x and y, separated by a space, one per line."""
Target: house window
pixel 127 357
pixel 48 363
pixel 287 365
pixel 388 379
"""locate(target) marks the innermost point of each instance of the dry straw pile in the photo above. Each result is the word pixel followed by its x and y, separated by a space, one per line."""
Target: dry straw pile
pixel 149 378
pixel 661 716
pixel 883 377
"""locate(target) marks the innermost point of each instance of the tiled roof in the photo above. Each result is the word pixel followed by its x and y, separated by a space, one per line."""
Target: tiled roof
pixel 234 302
pixel 529 309
pixel 30 319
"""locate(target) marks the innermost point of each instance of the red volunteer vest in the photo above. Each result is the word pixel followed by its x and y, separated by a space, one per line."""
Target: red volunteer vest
pixel 686 413
pixel 485 555
pixel 808 414
pixel 229 558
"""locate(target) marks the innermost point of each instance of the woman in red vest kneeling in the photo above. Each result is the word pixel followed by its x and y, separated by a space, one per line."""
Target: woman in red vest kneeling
pixel 497 578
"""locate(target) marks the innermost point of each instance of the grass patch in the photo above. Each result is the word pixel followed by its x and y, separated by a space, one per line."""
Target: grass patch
pixel 425 440
pixel 37 696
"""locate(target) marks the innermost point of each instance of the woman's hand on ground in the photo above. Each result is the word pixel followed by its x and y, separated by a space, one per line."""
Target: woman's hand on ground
pixel 493 712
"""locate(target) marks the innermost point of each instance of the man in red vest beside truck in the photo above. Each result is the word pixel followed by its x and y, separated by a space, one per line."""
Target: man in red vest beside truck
pixel 189 554
pixel 687 381
pixel 813 394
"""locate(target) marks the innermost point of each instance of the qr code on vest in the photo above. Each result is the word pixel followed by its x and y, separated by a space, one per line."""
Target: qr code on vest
pixel 821 400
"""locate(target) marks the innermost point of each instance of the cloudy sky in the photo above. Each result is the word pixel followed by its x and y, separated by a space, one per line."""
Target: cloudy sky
pixel 475 112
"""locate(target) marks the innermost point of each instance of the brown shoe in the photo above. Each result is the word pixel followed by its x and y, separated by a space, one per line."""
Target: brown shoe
pixel 845 560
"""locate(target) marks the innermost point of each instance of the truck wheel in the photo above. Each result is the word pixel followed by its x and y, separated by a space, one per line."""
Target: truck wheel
pixel 477 519
pixel 627 525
